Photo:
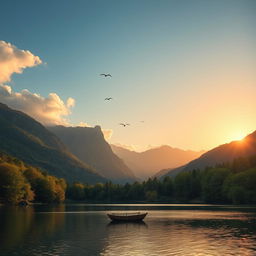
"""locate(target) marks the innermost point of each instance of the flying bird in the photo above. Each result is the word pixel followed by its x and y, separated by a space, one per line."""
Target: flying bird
pixel 124 125
pixel 109 98
pixel 106 75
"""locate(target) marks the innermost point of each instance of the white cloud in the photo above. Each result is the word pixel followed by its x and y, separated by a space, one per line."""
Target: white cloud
pixel 14 60
pixel 50 110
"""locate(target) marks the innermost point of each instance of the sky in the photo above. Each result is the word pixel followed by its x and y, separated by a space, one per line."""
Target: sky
pixel 185 68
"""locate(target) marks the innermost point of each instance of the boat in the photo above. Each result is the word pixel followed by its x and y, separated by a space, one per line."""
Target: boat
pixel 127 216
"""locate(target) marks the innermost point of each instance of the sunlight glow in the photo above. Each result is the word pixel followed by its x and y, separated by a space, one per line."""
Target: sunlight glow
pixel 239 136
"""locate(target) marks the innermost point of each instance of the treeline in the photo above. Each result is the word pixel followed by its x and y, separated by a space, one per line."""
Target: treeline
pixel 22 183
pixel 227 183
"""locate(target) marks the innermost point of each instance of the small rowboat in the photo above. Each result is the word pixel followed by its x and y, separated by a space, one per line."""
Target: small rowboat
pixel 131 216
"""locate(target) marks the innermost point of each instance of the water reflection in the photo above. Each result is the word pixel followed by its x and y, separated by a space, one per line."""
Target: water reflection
pixel 86 230
pixel 22 225
pixel 16 224
pixel 185 235
pixel 126 225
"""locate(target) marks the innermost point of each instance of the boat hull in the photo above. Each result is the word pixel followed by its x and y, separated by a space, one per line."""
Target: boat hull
pixel 128 218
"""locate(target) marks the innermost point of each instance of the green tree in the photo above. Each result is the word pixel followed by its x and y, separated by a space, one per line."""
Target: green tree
pixel 213 185
pixel 240 187
pixel 151 195
pixel 182 186
pixel 136 192
pixel 166 188
pixel 76 191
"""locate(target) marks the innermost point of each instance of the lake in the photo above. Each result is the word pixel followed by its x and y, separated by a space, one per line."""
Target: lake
pixel 84 229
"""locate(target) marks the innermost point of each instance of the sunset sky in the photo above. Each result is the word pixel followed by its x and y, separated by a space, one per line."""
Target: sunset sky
pixel 185 68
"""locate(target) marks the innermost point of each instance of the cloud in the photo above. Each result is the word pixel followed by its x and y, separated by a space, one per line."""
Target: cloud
pixel 82 124
pixel 50 110
pixel 125 146
pixel 107 133
pixel 13 60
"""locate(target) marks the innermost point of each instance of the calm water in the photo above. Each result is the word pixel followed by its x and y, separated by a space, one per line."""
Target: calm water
pixel 167 230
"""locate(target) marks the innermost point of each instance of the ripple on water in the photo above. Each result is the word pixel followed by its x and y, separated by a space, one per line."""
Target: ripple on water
pixel 164 232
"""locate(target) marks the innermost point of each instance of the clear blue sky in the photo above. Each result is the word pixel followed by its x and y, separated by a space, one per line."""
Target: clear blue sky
pixel 187 68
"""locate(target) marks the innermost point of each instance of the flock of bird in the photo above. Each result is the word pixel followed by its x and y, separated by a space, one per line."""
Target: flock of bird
pixel 110 98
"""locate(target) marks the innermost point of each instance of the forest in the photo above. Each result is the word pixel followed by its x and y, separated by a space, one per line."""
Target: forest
pixel 21 182
pixel 228 183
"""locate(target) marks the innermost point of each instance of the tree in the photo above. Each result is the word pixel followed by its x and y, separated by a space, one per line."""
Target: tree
pixel 213 185
pixel 182 186
pixel 13 186
pixel 151 195
pixel 240 187
pixel 60 187
pixel 76 191
pixel 166 187
pixel 45 190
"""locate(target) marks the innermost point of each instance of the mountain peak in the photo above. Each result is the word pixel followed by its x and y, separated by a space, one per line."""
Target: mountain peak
pixel 221 154
pixel 89 145
pixel 148 163
pixel 23 137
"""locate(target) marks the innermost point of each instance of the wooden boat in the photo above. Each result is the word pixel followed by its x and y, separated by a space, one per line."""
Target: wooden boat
pixel 127 216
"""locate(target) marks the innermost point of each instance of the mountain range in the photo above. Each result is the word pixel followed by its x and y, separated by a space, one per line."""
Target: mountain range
pixel 222 154
pixel 26 139
pixel 89 145
pixel 82 154
pixel 148 163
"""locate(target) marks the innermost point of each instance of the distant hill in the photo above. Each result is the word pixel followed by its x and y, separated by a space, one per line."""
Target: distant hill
pixel 23 137
pixel 222 154
pixel 89 145
pixel 162 173
pixel 148 163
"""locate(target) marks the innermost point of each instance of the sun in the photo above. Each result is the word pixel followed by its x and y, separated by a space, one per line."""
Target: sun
pixel 239 136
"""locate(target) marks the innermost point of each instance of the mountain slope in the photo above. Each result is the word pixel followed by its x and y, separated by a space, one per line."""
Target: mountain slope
pixel 148 163
pixel 23 137
pixel 221 154
pixel 89 145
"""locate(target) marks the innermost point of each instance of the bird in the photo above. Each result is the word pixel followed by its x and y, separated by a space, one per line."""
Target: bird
pixel 124 125
pixel 109 98
pixel 106 75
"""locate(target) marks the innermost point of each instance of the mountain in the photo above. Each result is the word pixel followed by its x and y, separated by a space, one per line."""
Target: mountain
pixel 23 137
pixel 89 145
pixel 222 154
pixel 148 163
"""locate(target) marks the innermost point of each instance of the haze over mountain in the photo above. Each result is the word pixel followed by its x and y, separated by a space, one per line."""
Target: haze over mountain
pixel 89 145
pixel 148 163
pixel 23 137
pixel 222 154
